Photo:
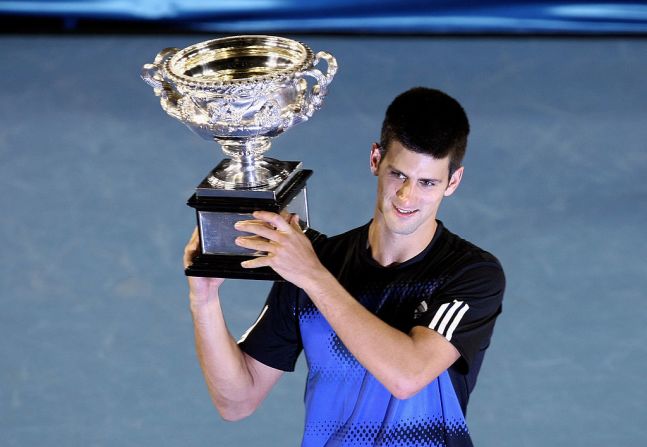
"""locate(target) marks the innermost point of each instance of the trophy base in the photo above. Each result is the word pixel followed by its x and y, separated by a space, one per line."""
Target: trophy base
pixel 216 214
pixel 228 266
pixel 267 181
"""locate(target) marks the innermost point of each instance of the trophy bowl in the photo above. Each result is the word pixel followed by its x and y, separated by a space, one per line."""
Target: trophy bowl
pixel 241 91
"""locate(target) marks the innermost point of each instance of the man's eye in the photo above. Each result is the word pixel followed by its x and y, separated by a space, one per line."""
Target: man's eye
pixel 428 183
pixel 399 175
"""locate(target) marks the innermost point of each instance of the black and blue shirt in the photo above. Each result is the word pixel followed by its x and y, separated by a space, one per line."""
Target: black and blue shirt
pixel 452 287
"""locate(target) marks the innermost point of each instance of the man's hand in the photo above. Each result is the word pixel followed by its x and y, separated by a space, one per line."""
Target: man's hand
pixel 289 252
pixel 201 290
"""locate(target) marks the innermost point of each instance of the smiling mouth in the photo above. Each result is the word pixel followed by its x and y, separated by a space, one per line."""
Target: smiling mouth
pixel 403 211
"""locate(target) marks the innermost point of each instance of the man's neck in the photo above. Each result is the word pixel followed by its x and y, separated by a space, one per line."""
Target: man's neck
pixel 388 248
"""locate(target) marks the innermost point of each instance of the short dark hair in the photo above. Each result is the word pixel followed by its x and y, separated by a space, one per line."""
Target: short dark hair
pixel 427 121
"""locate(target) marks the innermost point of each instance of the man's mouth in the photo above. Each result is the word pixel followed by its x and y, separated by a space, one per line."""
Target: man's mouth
pixel 404 211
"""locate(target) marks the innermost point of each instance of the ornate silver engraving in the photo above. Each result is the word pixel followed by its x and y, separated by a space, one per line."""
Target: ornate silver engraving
pixel 241 91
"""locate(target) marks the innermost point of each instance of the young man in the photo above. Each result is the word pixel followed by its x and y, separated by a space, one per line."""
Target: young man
pixel 394 317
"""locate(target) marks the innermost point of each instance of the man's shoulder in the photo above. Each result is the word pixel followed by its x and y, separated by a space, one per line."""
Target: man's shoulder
pixel 335 242
pixel 453 249
pixel 469 274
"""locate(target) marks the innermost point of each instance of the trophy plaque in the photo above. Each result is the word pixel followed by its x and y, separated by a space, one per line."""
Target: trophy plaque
pixel 242 91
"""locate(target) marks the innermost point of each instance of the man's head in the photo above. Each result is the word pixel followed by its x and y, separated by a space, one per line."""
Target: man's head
pixel 429 122
pixel 419 163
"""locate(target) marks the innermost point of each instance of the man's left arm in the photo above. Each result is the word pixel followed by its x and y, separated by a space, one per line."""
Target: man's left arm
pixel 403 363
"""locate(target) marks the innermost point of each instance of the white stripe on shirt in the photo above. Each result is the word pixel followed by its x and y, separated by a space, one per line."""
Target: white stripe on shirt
pixel 247 332
pixel 450 318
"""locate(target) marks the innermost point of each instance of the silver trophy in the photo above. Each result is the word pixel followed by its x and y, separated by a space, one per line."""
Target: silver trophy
pixel 241 91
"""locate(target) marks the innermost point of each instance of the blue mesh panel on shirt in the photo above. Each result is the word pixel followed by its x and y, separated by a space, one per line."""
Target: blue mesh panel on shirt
pixel 347 406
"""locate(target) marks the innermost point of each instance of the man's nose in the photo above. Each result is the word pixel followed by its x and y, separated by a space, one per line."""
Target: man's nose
pixel 405 192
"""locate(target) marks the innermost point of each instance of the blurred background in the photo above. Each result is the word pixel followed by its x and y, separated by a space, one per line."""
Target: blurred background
pixel 96 342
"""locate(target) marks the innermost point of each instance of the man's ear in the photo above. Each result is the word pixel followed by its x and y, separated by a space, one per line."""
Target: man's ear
pixel 376 157
pixel 454 181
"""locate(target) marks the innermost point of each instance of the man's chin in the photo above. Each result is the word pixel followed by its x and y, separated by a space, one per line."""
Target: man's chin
pixel 396 226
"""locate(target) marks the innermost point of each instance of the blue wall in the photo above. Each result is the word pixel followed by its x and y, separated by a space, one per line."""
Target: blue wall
pixel 353 16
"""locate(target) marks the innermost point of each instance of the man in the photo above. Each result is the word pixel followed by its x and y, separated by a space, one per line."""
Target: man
pixel 394 317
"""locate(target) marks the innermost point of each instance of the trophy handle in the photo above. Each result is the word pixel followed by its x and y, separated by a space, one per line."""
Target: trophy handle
pixel 330 61
pixel 151 72
pixel 318 91
pixel 153 75
pixel 150 75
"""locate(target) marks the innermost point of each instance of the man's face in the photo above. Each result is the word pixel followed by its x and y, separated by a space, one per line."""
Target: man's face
pixel 410 189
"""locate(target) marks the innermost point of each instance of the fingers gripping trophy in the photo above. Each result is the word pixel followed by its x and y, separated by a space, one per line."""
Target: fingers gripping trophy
pixel 242 91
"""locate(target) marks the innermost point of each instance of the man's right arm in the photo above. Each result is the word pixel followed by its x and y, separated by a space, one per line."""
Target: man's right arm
pixel 237 383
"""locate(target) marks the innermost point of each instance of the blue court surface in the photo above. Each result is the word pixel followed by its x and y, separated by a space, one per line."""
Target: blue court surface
pixel 96 341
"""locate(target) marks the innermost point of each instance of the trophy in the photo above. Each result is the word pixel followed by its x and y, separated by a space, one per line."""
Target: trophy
pixel 242 91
